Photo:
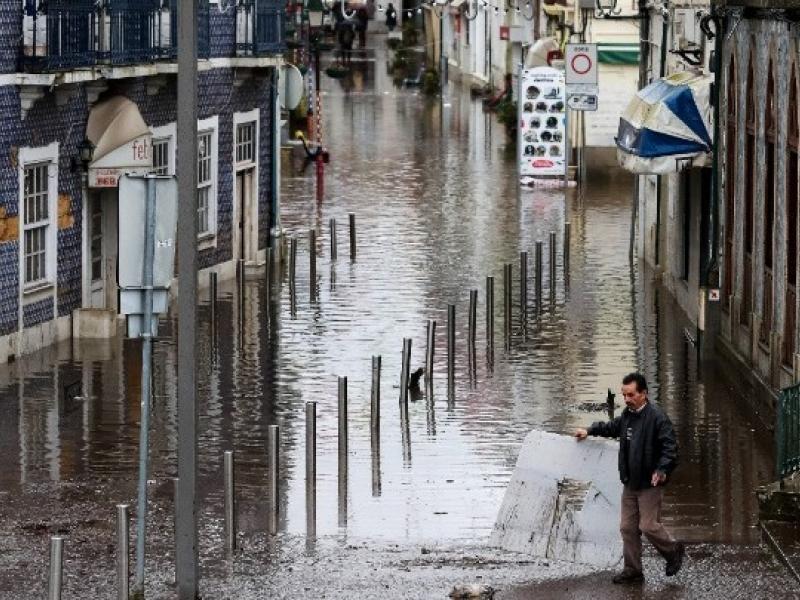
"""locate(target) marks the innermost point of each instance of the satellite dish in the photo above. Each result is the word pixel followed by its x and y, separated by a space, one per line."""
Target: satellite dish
pixel 290 86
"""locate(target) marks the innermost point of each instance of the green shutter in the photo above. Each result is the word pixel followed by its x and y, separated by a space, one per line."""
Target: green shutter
pixel 618 54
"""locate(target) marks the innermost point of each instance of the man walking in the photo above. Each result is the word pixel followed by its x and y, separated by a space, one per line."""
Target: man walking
pixel 648 454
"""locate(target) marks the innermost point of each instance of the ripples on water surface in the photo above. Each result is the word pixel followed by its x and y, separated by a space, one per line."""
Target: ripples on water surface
pixel 437 211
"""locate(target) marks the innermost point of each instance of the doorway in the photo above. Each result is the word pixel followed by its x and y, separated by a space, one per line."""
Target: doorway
pixel 246 244
pixel 103 241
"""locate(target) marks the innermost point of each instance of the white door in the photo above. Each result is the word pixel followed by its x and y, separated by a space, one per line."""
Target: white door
pixel 246 234
pixel 103 242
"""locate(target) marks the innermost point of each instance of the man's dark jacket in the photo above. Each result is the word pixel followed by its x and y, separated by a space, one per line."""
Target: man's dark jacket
pixel 646 444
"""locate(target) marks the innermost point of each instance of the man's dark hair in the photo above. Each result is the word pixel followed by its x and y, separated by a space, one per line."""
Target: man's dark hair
pixel 638 378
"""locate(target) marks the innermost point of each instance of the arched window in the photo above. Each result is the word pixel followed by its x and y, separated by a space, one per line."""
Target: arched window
pixel 730 185
pixel 770 131
pixel 749 194
pixel 792 145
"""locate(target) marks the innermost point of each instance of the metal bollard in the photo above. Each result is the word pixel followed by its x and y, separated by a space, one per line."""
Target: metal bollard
pixel 473 317
pixel 212 297
pixel 292 260
pixel 523 288
pixel 352 236
pixel 490 311
pixel 273 448
pixel 430 352
pixel 240 276
pixel 567 238
pixel 405 371
pixel 375 425
pixel 507 274
pixel 230 502
pixel 538 282
pixel 343 459
pixel 56 564
pixel 123 552
pixel 451 344
pixel 333 238
pixel 375 399
pixel 268 267
pixel 552 265
pixel 312 265
pixel 311 468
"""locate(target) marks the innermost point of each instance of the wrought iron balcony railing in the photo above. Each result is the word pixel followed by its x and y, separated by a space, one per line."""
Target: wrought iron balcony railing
pixel 70 34
pixel 260 26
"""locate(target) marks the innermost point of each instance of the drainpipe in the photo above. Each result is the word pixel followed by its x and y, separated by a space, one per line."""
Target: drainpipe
pixel 713 218
pixel 644 61
pixel 661 72
pixel 274 224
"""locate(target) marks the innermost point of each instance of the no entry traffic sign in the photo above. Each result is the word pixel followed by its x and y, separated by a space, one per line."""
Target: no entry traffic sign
pixel 581 64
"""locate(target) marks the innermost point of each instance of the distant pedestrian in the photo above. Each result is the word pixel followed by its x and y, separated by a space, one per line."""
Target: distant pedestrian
pixel 648 453
pixel 391 17
pixel 362 22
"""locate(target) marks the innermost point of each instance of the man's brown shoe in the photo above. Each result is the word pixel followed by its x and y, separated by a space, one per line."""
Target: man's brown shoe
pixel 674 564
pixel 628 576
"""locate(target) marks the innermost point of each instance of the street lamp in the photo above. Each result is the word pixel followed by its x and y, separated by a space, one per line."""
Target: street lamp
pixel 86 153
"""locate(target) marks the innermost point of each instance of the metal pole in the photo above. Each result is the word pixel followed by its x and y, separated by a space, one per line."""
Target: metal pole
pixel 186 144
pixel 507 274
pixel 375 425
pixel 212 298
pixel 268 267
pixel 240 276
pixel 567 238
pixel 405 371
pixel 451 344
pixel 523 287
pixel 343 451
pixel 230 501
pixel 538 276
pixel 292 260
pixel 473 316
pixel 552 265
pixel 146 391
pixel 311 468
pixel 312 266
pixel 273 448
pixel 333 239
pixel 430 352
pixel 123 539
pixel 490 311
pixel 56 564
pixel 352 236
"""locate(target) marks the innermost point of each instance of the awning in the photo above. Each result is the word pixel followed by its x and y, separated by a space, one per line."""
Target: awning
pixel 666 126
pixel 121 141
pixel 618 54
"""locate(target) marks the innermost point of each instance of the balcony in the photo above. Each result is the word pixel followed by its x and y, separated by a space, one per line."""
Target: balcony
pixel 71 34
pixel 259 28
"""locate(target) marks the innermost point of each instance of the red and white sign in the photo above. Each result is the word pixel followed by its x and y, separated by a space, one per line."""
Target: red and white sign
pixel 581 64
pixel 135 157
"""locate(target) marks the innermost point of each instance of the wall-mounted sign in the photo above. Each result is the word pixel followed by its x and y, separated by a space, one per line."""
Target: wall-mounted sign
pixel 541 146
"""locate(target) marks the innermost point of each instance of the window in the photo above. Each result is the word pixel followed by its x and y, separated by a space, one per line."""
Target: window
pixel 161 162
pixel 246 142
pixel 769 208
pixel 792 142
pixel 205 182
pixel 36 223
pixel 749 196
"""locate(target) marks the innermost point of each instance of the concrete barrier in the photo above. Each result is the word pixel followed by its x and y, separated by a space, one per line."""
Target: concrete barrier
pixel 563 501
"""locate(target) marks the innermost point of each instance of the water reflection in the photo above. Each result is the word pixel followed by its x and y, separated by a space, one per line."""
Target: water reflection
pixel 438 212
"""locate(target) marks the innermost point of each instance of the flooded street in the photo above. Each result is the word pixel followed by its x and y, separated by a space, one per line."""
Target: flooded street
pixel 437 208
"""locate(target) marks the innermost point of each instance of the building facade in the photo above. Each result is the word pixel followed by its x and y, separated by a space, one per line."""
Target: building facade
pixel 88 92
pixel 759 189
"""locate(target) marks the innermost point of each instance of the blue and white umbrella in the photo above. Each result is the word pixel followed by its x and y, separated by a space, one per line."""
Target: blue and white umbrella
pixel 667 126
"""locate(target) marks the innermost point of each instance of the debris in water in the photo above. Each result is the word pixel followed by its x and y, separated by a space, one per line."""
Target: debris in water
pixel 473 591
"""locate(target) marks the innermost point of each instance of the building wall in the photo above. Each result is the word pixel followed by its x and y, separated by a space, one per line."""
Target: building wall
pixel 767 41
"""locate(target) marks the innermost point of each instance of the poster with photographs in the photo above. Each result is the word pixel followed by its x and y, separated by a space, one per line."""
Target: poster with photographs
pixel 542 123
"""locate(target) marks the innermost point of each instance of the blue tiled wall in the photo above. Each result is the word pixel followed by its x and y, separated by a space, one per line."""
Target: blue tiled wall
pixel 10 34
pixel 223 29
pixel 47 122
pixel 37 312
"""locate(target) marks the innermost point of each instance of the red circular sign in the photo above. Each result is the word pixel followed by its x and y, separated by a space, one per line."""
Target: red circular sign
pixel 581 64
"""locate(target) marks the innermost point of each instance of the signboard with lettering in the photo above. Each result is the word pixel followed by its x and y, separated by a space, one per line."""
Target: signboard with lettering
pixel 541 146
pixel 580 63
pixel 134 157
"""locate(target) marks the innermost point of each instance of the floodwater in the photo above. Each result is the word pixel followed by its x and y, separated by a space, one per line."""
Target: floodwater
pixel 437 211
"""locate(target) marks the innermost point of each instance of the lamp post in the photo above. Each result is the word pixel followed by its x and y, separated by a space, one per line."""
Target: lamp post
pixel 85 157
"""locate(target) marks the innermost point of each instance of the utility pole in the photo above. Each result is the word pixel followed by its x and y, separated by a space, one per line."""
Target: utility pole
pixel 186 557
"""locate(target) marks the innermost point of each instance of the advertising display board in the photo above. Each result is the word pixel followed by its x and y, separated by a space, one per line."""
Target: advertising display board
pixel 541 146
